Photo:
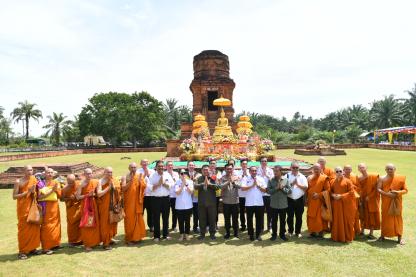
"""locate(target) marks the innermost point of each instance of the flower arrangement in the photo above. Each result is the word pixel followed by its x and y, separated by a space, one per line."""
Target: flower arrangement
pixel 266 145
pixel 188 146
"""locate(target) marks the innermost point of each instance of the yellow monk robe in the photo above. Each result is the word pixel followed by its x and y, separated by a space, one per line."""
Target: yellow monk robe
pixel 73 214
pixel 343 213
pixel 28 234
pixel 134 227
pixel 392 225
pixel 329 172
pixel 107 230
pixel 50 230
pixel 357 189
pixel 371 208
pixel 90 236
pixel 314 219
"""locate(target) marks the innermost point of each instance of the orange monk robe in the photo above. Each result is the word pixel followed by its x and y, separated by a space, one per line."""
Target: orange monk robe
pixel 73 214
pixel 343 213
pixel 28 234
pixel 371 207
pixel 50 230
pixel 90 236
pixel 329 172
pixel 392 225
pixel 107 230
pixel 314 219
pixel 357 189
pixel 134 227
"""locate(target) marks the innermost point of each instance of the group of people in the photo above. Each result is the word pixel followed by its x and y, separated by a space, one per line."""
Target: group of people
pixel 337 202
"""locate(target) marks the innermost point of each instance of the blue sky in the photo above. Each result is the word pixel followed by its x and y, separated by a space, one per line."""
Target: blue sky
pixel 285 56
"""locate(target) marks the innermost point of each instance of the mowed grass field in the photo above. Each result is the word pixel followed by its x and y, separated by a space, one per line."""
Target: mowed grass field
pixel 298 257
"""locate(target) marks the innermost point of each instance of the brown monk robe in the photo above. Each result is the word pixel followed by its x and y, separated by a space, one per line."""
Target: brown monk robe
pixel 133 186
pixel 370 199
pixel 317 183
pixel 90 236
pixel 107 230
pixel 73 210
pixel 391 188
pixel 326 170
pixel 357 190
pixel 50 230
pixel 28 234
pixel 343 203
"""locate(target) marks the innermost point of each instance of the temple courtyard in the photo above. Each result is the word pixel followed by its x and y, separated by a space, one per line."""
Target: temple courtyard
pixel 297 257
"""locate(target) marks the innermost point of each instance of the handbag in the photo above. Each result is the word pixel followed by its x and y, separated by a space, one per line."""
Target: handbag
pixel 116 210
pixel 35 212
pixel 394 208
pixel 326 210
pixel 88 214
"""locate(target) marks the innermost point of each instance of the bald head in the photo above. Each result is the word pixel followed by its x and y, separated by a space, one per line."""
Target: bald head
pixel 338 172
pixel 316 169
pixel 347 169
pixel 132 167
pixel 362 168
pixel 390 169
pixel 49 173
pixel 322 162
pixel 28 170
pixel 88 173
pixel 70 179
pixel 108 172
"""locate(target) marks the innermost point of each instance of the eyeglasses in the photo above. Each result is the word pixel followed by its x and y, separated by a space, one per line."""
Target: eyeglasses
pixel 338 171
pixel 264 161
pixel 295 167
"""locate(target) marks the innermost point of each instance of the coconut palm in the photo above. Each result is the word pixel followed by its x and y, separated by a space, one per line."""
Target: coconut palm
pixel 410 105
pixel 386 113
pixel 24 113
pixel 57 126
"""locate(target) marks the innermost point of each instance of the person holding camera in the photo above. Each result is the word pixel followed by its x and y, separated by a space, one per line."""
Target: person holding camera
pixel 184 189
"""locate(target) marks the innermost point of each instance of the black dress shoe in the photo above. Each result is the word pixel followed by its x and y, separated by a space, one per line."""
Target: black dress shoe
pixel 273 238
pixel 259 239
pixel 252 238
pixel 227 236
pixel 242 229
pixel 201 237
pixel 284 238
pixel 212 237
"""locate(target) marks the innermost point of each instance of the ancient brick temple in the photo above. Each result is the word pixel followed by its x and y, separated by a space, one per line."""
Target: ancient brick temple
pixel 211 80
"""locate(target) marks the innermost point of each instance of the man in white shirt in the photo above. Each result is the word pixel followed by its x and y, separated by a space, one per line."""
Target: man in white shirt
pixel 242 173
pixel 160 184
pixel 266 173
pixel 295 202
pixel 254 188
pixel 147 202
pixel 172 196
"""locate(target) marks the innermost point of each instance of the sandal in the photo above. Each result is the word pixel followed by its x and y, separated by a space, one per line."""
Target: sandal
pixel 48 252
pixel 22 256
pixel 371 237
pixel 402 242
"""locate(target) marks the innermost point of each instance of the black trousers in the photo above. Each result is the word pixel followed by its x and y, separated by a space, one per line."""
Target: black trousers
pixel 258 211
pixel 147 204
pixel 230 211
pixel 218 210
pixel 161 207
pixel 195 216
pixel 184 218
pixel 174 216
pixel 278 215
pixel 242 203
pixel 266 201
pixel 295 209
pixel 207 216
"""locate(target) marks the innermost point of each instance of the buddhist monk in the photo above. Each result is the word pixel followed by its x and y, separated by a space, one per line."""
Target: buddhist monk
pixel 326 170
pixel 357 190
pixel 391 187
pixel 90 236
pixel 73 210
pixel 108 187
pixel 133 186
pixel 343 203
pixel 28 234
pixel 370 200
pixel 317 184
pixel 48 195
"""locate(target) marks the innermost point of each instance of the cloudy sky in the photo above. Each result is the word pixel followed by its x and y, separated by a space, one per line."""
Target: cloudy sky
pixel 285 55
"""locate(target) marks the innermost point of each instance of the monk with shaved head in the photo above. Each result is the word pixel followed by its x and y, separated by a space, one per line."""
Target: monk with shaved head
pixel 326 170
pixel 133 187
pixel 108 188
pixel 357 190
pixel 392 187
pixel 73 210
pixel 370 200
pixel 90 234
pixel 28 234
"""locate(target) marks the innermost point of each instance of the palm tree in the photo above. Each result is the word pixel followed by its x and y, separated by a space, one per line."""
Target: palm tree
pixel 25 112
pixel 17 115
pixel 386 112
pixel 5 130
pixel 57 126
pixel 410 105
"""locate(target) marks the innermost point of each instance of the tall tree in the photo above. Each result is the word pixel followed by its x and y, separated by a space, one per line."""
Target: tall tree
pixel 56 126
pixel 386 113
pixel 410 105
pixel 26 111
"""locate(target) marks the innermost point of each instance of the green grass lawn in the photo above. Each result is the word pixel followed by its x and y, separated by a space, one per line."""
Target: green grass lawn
pixel 298 257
